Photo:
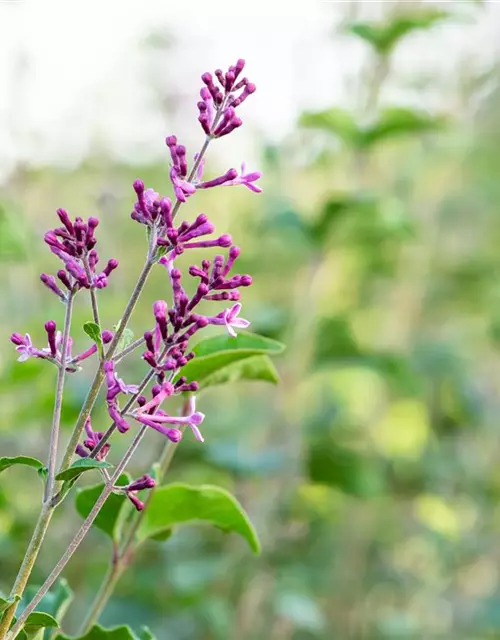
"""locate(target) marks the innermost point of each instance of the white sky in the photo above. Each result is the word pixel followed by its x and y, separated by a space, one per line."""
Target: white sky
pixel 73 73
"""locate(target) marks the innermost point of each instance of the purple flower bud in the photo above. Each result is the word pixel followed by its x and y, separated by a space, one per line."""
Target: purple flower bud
pixel 111 266
pixel 145 482
pixel 149 357
pixel 160 310
pixel 138 187
pixel 148 337
pixel 107 336
pixel 17 339
pixel 135 501
pixel 80 451
pixel 50 328
pixel 141 400
pixel 166 210
pixel 121 424
pixel 50 283
pixel 63 277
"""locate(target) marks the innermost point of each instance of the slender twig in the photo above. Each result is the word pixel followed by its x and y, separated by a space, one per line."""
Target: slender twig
pixel 121 558
pixel 82 532
pixel 56 420
pixel 93 296
pixel 131 347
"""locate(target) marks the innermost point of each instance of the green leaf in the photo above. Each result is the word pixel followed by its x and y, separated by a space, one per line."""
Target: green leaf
pixel 99 633
pixel 335 341
pixel 78 467
pixel 178 503
pixel 93 330
pixel 36 622
pixel 112 512
pixel 55 602
pixel 216 354
pixel 384 37
pixel 253 368
pixel 145 634
pixel 126 339
pixel 335 209
pixel 398 121
pixel 5 463
pixel 335 120
pixel 6 602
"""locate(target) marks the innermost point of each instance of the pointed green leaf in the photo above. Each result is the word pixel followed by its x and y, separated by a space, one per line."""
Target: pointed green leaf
pixel 243 341
pixel 253 368
pixel 93 330
pixel 398 121
pixel 55 602
pixel 126 339
pixel 335 120
pixel 99 633
pixel 6 602
pixel 145 634
pixel 177 503
pixel 5 463
pixel 36 622
pixel 220 352
pixel 384 37
pixel 79 466
pixel 112 512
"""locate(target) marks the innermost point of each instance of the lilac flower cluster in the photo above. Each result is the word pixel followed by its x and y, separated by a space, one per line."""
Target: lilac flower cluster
pixel 74 243
pixel 167 344
pixel 25 347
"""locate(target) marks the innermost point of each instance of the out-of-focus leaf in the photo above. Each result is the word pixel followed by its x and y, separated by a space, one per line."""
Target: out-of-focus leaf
pixel 335 120
pixel 5 463
pixel 79 466
pixel 349 471
pixel 335 341
pixel 100 633
pixel 55 602
pixel 110 516
pixel 126 339
pixel 215 357
pixel 384 37
pixel 229 455
pixel 36 622
pixel 178 503
pixel 145 634
pixel 398 121
pixel 391 122
pixel 333 211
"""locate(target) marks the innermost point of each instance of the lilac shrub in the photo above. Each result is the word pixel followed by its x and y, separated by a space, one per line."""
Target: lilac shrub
pixel 167 345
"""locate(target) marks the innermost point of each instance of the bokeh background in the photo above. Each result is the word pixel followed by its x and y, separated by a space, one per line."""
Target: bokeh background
pixel 372 471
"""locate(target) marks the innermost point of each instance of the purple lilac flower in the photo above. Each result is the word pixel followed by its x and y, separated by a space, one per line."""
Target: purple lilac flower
pixel 116 386
pixel 141 484
pixel 229 318
pixel 74 244
pixel 91 442
pixel 157 420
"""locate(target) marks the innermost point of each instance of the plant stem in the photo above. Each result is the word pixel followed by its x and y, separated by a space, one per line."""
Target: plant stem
pixel 131 347
pixel 27 565
pixel 99 376
pixel 56 420
pixel 122 557
pixel 80 535
pixel 93 296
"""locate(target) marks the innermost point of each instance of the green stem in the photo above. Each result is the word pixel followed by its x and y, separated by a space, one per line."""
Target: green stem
pixel 122 557
pixel 56 420
pixel 27 566
pixel 80 535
